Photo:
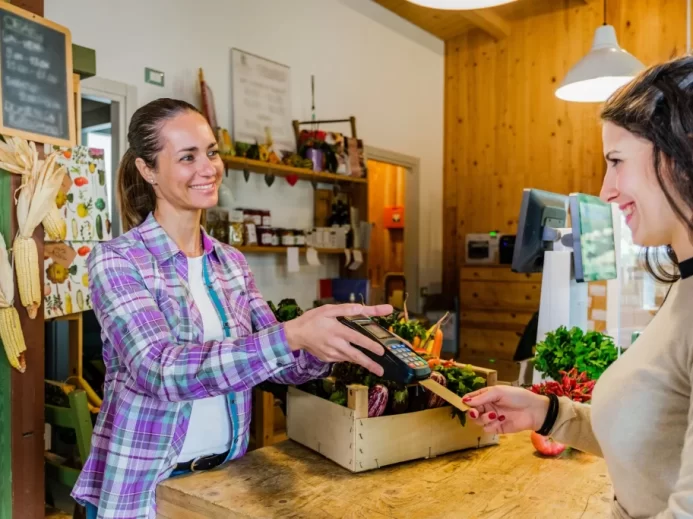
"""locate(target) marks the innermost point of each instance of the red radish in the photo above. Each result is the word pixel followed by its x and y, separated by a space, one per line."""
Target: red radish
pixel 546 446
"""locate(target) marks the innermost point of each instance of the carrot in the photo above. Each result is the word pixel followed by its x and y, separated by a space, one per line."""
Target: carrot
pixel 417 341
pixel 432 363
pixel 437 343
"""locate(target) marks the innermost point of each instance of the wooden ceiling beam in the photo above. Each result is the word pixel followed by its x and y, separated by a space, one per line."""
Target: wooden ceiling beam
pixel 489 22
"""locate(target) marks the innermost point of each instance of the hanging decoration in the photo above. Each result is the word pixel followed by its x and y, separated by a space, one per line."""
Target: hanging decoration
pixel 41 180
pixel 11 333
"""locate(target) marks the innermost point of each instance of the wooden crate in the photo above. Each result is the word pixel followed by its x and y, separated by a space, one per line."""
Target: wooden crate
pixel 348 437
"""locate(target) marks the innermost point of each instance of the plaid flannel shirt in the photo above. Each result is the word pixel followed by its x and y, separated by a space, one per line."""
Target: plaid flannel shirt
pixel 157 363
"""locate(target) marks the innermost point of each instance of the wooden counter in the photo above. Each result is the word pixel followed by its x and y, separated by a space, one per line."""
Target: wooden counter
pixel 288 480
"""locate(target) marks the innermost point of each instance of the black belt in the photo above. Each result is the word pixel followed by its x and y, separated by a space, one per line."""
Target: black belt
pixel 203 462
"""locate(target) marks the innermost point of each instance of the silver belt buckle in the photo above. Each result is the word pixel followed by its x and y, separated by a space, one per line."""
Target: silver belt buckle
pixel 192 464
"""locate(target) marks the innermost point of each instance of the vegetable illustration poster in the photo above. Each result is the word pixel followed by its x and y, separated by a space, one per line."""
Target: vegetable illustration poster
pixel 82 197
pixel 65 289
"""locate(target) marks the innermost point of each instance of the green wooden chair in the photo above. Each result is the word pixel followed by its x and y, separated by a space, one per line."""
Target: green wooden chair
pixel 77 418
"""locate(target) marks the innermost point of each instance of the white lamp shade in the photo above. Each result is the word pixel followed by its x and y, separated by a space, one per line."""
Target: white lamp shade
pixel 459 5
pixel 601 72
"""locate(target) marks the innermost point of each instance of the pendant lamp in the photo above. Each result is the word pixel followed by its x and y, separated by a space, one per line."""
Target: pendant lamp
pixel 602 71
pixel 459 5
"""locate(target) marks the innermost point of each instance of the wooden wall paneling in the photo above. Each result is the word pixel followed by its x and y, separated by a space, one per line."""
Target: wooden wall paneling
pixel 500 296
pixel 512 320
pixel 497 273
pixel 388 188
pixel 376 204
pixel 491 344
pixel 505 129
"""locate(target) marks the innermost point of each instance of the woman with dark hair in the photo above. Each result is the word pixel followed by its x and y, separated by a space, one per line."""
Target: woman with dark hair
pixel 641 416
pixel 186 333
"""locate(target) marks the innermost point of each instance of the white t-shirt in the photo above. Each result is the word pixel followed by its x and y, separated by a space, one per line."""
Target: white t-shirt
pixel 209 430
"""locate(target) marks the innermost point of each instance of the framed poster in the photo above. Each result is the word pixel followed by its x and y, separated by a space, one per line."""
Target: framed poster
pixel 82 199
pixel 261 100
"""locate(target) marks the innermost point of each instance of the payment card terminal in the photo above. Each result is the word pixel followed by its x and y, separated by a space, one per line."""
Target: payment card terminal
pixel 399 362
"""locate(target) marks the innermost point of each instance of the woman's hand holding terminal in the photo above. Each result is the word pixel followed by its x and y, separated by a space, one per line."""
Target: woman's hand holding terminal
pixel 320 333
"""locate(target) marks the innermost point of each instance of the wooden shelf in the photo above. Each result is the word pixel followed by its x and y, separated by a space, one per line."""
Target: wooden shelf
pixel 281 170
pixel 258 249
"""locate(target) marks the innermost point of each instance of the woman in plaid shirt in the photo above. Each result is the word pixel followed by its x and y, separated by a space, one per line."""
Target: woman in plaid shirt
pixel 186 333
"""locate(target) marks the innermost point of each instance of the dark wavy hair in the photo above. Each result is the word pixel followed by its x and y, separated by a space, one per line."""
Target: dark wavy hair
pixel 658 106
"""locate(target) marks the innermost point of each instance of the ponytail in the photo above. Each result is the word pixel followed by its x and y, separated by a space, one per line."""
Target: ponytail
pixel 136 197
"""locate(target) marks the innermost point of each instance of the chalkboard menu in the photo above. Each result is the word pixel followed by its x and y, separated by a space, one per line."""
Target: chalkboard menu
pixel 35 78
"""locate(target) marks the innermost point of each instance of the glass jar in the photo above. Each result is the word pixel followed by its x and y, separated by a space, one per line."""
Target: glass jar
pixel 264 236
pixel 266 218
pixel 299 238
pixel 236 234
pixel 276 239
pixel 250 233
pixel 253 215
pixel 288 239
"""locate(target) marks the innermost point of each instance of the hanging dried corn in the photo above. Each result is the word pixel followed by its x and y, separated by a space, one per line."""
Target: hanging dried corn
pixel 11 334
pixel 18 156
pixel 36 198
pixel 55 225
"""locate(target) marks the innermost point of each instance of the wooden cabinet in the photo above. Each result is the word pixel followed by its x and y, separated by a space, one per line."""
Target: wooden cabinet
pixel 496 305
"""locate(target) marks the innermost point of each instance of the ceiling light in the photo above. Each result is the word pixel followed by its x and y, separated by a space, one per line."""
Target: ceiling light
pixel 459 5
pixel 601 72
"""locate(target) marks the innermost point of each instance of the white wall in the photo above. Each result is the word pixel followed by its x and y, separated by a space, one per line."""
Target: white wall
pixel 367 62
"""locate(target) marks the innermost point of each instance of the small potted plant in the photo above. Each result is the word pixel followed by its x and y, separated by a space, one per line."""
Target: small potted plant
pixel 313 145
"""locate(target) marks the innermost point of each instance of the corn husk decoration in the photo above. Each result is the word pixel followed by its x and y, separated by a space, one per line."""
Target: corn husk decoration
pixel 55 225
pixel 19 156
pixel 11 334
pixel 34 203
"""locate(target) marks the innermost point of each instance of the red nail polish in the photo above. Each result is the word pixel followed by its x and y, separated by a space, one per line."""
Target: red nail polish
pixel 492 416
pixel 472 414
pixel 467 399
pixel 501 418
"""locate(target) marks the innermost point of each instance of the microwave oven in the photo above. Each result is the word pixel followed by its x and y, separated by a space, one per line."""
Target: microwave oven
pixel 489 248
pixel 481 248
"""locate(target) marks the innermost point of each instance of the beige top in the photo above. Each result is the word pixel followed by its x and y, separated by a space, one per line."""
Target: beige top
pixel 641 417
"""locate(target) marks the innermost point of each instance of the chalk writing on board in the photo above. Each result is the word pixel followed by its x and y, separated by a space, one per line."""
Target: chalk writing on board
pixel 34 77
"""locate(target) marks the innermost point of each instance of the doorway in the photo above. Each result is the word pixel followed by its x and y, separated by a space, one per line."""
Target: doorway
pixel 393 208
pixel 107 107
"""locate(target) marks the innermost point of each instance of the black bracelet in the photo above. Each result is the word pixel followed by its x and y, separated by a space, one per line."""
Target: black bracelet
pixel 551 416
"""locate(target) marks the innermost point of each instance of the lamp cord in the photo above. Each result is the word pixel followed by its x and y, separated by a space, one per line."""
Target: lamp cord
pixel 605 12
